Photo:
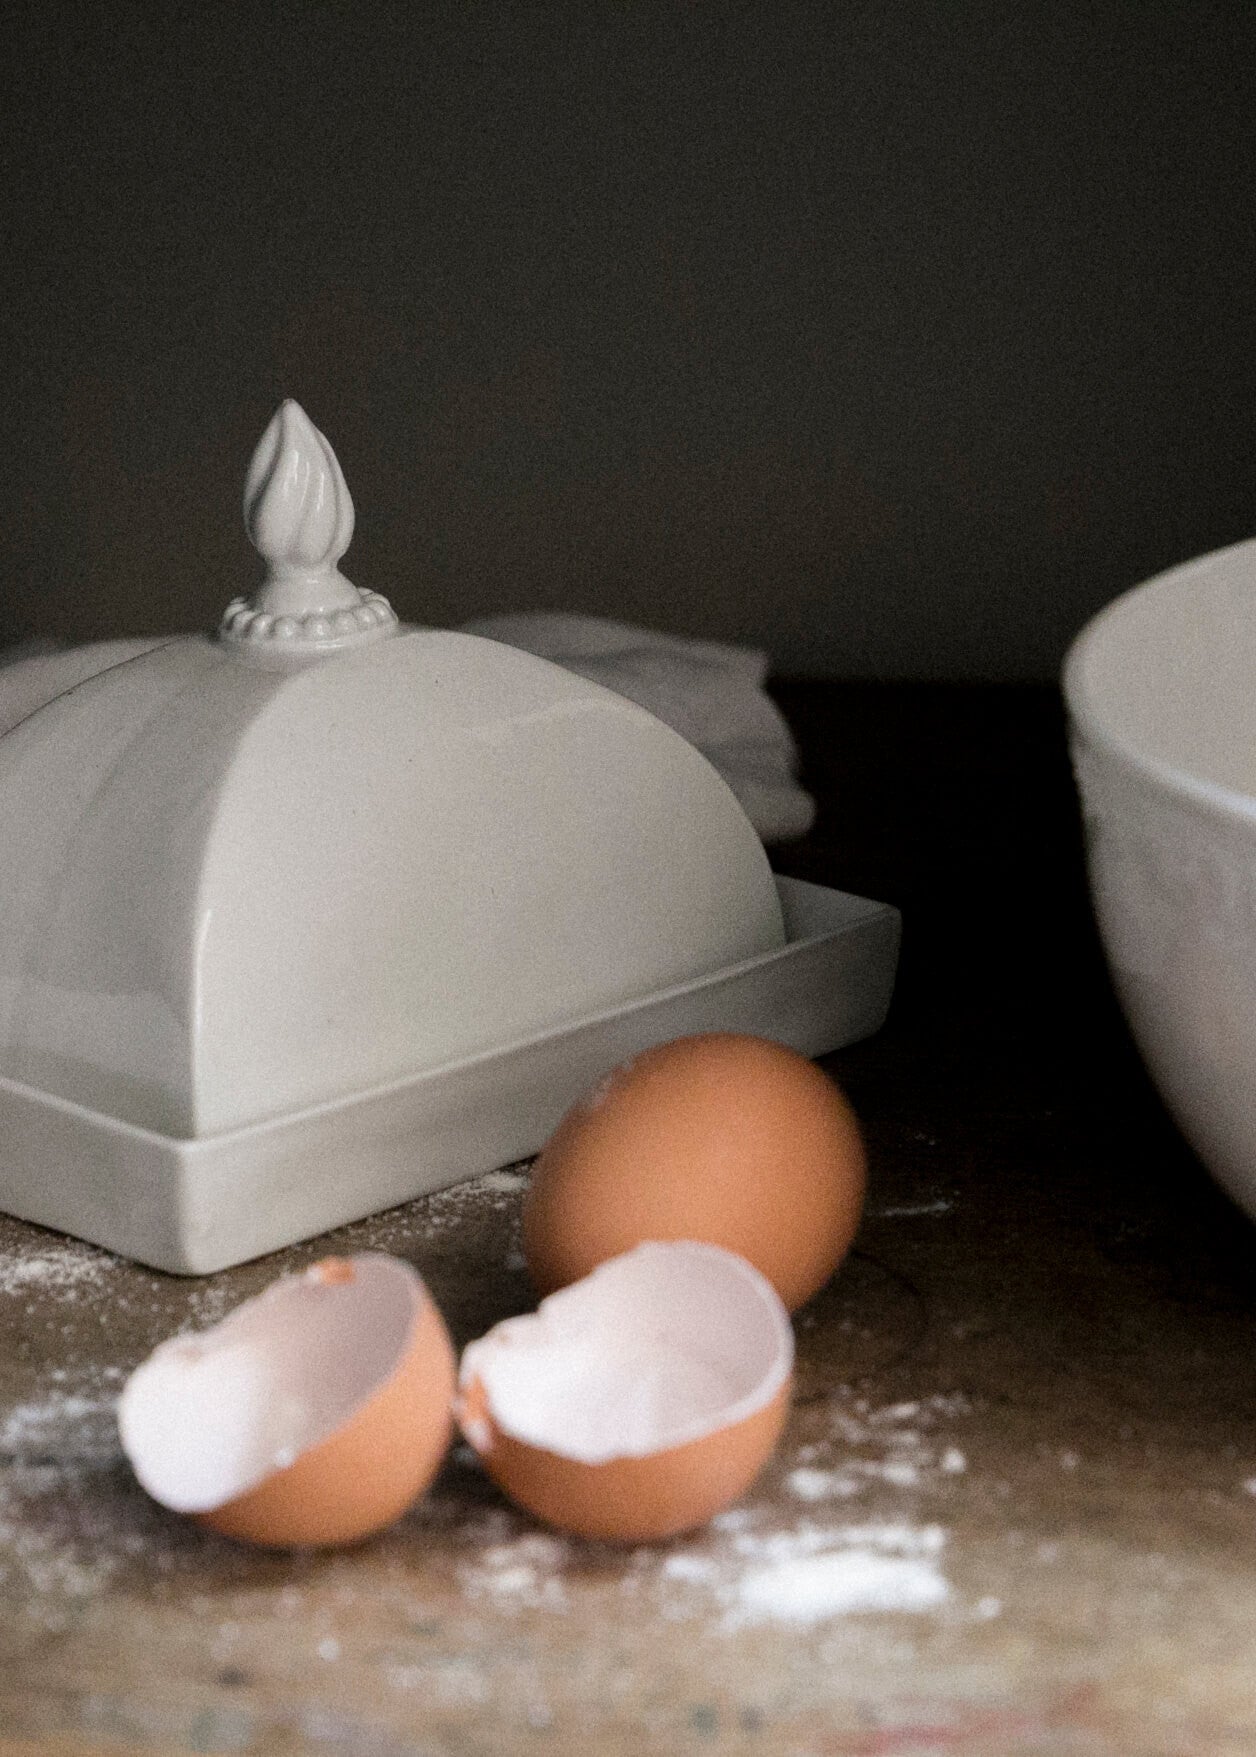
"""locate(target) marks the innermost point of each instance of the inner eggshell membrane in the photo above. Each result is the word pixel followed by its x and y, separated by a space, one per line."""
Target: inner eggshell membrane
pixel 208 1417
pixel 656 1348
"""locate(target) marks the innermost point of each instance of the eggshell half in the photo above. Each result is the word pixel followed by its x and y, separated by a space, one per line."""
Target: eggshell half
pixel 723 1137
pixel 638 1402
pixel 313 1414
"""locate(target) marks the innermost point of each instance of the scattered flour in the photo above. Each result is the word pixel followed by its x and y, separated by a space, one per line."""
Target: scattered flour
pixel 809 1484
pixel 821 1485
pixel 71 1521
pixel 812 1573
pixel 743 1568
pixel 894 1412
pixel 734 1519
pixel 71 1518
pixel 901 1472
pixel 61 1271
pixel 818 1570
pixel 744 1575
pixel 698 1570
pixel 894 1444
pixel 447 1210
pixel 63 1427
pixel 72 1555
pixel 525 1574
pixel 913 1210
pixel 837 1583
pixel 502 1183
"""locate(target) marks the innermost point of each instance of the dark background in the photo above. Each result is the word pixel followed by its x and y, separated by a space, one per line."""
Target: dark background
pixel 895 338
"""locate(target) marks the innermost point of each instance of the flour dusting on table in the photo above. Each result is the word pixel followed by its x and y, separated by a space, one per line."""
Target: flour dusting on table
pixel 813 1572
pixel 805 1589
pixel 525 1574
pixel 63 1271
pixel 65 1427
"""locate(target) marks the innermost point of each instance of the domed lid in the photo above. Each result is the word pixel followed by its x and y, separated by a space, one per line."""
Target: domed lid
pixel 252 872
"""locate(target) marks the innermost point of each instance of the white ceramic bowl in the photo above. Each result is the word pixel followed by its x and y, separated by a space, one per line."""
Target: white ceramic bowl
pixel 1161 694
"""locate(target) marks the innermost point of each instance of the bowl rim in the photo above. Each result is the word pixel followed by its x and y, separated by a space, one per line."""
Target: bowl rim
pixel 1086 718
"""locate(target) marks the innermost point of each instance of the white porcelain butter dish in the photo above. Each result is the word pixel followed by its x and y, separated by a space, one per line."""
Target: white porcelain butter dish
pixel 311 916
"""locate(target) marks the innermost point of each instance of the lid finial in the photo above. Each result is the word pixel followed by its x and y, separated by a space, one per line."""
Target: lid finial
pixel 298 513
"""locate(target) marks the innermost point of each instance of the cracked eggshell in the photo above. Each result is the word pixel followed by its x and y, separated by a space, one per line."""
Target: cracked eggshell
pixel 720 1136
pixel 637 1402
pixel 314 1414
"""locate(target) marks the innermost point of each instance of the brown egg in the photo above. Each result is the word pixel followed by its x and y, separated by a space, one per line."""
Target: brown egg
pixel 729 1139
pixel 638 1402
pixel 313 1414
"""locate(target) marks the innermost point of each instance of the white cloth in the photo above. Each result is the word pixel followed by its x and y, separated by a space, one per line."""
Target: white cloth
pixel 712 694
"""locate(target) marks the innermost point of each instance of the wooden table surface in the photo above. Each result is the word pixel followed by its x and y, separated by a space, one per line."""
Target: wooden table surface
pixel 1025 1434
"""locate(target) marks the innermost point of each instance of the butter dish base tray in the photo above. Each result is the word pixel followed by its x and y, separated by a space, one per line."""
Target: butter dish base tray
pixel 193 1206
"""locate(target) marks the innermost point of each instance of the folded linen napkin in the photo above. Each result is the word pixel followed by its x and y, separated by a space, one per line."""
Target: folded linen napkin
pixel 709 692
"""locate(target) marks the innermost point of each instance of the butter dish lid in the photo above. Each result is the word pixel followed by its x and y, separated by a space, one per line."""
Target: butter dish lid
pixel 252 872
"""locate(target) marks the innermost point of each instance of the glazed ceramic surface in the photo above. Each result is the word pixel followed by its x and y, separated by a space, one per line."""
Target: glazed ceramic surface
pixel 1161 692
pixel 318 866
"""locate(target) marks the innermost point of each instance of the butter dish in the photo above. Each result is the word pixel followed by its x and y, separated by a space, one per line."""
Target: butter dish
pixel 310 916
